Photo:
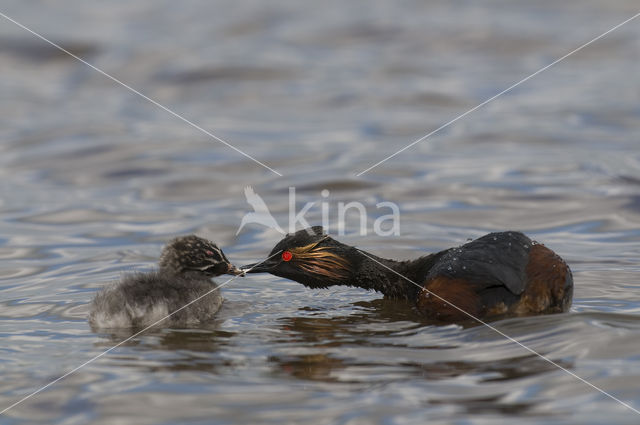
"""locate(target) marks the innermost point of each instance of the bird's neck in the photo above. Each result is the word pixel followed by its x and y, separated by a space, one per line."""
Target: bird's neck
pixel 394 279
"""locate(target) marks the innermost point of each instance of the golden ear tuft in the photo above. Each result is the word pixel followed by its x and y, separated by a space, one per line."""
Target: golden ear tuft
pixel 321 261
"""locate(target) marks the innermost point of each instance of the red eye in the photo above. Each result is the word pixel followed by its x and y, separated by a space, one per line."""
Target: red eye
pixel 209 252
pixel 287 256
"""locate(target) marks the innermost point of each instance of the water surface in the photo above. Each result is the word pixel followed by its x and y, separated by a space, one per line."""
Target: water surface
pixel 94 180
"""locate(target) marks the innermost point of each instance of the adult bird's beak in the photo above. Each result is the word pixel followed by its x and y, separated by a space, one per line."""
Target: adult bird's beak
pixel 234 270
pixel 262 267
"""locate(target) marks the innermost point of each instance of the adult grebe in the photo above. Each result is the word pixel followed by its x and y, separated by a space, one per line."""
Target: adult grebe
pixel 498 274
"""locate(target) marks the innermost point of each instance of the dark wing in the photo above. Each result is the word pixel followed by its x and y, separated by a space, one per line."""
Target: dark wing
pixel 494 260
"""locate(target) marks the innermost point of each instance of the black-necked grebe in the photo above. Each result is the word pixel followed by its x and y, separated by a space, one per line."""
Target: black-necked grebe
pixel 499 274
pixel 186 267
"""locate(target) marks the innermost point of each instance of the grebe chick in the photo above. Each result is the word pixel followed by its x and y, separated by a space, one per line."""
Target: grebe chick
pixel 186 267
pixel 499 274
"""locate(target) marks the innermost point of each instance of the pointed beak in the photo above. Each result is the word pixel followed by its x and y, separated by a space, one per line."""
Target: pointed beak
pixel 234 270
pixel 263 267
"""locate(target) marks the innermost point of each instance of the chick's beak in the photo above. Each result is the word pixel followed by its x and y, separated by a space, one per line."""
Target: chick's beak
pixel 234 270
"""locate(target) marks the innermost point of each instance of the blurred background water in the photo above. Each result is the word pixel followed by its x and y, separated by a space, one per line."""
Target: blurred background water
pixel 94 179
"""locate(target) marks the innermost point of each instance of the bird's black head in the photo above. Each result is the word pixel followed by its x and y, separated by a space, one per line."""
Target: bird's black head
pixel 310 257
pixel 194 255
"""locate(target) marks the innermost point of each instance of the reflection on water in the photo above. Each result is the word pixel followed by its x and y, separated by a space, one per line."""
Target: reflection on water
pixel 320 347
pixel 93 181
